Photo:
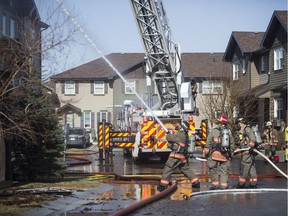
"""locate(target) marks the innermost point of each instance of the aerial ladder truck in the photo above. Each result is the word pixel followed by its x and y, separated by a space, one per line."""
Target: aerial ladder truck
pixel 176 98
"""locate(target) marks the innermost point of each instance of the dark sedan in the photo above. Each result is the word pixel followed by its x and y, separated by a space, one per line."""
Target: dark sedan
pixel 77 137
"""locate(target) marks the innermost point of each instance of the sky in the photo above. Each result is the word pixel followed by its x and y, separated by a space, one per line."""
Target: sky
pixel 197 25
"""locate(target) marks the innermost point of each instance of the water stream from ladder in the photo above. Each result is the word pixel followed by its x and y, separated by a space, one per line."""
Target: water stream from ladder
pixel 91 42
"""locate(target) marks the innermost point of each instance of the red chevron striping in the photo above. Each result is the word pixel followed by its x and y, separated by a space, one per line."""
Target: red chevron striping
pixel 161 145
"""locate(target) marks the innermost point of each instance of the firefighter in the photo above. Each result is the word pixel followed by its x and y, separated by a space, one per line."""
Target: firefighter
pixel 246 139
pixel 218 148
pixel 178 157
pixel 271 141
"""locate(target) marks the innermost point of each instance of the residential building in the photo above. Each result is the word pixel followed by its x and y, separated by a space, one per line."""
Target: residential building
pixel 20 51
pixel 212 77
pixel 259 69
pixel 95 91
pixel 87 92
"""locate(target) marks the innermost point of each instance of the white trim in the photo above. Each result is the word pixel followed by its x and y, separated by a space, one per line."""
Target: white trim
pixel 278 56
pixel 235 71
pixel 70 88
pixel 129 85
pixel 98 88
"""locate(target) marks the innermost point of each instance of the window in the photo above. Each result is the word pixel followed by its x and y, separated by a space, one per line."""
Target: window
pixel 70 88
pixel 263 63
pixel 212 87
pixel 87 119
pixel 103 116
pixel 278 108
pixel 245 66
pixel 99 87
pixel 13 28
pixel 4 25
pixel 278 58
pixel 129 85
pixel 235 71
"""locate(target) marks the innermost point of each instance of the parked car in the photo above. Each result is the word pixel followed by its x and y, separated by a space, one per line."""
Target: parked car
pixel 77 137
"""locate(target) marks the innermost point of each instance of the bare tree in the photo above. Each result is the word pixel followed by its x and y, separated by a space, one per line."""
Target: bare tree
pixel 228 100
pixel 27 115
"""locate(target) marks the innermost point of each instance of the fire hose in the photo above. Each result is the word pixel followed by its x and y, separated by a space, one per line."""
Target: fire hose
pixel 266 158
pixel 187 197
pixel 147 201
pixel 247 149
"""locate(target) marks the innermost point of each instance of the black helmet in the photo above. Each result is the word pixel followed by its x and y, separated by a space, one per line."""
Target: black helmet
pixel 240 119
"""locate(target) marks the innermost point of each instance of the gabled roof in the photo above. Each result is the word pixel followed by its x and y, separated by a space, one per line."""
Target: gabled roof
pixel 68 108
pixel 99 69
pixel 278 20
pixel 193 65
pixel 204 65
pixel 247 42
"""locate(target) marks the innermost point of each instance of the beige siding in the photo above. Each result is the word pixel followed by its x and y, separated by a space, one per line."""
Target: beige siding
pixel 202 115
pixel 85 100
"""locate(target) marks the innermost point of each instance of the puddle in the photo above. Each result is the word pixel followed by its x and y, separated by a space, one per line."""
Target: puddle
pixel 105 199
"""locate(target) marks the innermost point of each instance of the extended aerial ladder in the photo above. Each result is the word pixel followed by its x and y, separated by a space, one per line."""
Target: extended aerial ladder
pixel 163 67
pixel 176 98
pixel 163 60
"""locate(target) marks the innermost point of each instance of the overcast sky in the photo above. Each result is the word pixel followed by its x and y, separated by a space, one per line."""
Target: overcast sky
pixel 197 25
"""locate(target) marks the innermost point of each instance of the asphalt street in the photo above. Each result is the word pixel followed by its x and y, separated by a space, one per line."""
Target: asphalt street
pixel 270 198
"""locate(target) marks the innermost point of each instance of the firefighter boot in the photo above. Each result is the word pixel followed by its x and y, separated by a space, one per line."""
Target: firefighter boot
pixel 223 185
pixel 196 184
pixel 214 187
pixel 253 185
pixel 239 186
pixel 162 187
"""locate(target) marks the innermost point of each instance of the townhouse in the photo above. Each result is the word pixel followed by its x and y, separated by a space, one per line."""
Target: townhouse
pixel 259 69
pixel 254 61
pixel 20 51
pixel 94 92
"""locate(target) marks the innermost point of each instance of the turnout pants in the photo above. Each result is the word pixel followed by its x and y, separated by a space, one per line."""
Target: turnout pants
pixel 172 164
pixel 248 169
pixel 219 172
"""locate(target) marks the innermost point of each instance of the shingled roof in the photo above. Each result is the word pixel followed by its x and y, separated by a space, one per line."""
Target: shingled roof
pixel 247 42
pixel 197 65
pixel 204 65
pixel 278 20
pixel 99 69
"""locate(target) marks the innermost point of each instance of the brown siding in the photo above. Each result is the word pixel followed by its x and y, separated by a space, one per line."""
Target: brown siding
pixel 244 79
pixel 254 75
pixel 263 78
pixel 278 76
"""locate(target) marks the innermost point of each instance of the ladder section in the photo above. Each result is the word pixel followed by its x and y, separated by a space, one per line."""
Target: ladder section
pixel 161 52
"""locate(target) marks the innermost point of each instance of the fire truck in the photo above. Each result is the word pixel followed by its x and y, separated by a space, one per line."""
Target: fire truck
pixel 176 97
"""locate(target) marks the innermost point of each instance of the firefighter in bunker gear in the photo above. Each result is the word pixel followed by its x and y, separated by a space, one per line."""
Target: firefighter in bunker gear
pixel 218 148
pixel 178 158
pixel 246 139
pixel 271 141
